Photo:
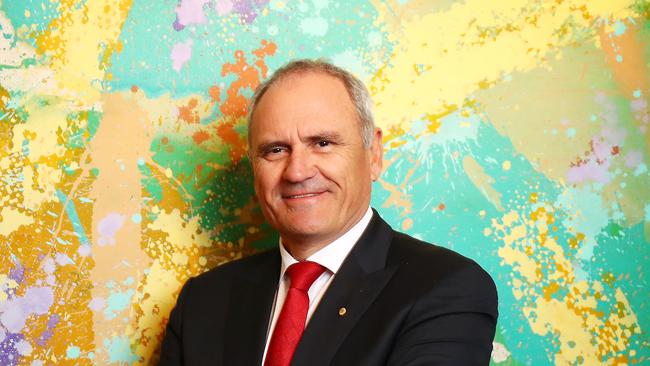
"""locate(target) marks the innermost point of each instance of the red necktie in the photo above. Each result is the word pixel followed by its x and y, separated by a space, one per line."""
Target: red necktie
pixel 291 322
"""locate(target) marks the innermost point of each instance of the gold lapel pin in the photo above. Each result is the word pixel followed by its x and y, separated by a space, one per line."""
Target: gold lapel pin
pixel 342 311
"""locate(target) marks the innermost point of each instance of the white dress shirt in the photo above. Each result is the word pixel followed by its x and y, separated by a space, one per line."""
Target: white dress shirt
pixel 330 256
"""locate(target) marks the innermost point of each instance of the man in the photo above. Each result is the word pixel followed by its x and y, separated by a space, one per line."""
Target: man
pixel 343 288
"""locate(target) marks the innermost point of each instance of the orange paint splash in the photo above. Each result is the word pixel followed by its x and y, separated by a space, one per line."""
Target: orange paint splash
pixel 214 93
pixel 235 106
pixel 247 77
pixel 226 131
pixel 188 113
pixel 632 73
pixel 200 136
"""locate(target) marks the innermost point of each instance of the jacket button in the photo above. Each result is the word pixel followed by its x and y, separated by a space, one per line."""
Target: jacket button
pixel 342 311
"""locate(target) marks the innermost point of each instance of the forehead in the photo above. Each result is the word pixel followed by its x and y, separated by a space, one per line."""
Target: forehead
pixel 304 98
pixel 306 85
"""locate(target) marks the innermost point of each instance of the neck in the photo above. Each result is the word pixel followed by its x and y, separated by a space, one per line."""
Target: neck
pixel 301 250
pixel 302 247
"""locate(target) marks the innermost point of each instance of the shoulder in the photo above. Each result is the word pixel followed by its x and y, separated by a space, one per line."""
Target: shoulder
pixel 406 249
pixel 432 269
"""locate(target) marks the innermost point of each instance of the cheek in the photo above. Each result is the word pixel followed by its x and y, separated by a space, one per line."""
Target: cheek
pixel 265 180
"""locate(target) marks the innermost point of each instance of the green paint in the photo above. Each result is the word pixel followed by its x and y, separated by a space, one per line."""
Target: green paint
pixel 94 118
pixel 218 194
pixel 150 183
pixel 83 126
pixel 69 170
pixel 614 229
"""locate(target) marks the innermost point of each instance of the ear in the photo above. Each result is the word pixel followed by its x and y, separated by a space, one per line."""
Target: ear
pixel 376 154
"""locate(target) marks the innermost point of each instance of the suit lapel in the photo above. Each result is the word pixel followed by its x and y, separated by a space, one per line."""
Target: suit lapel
pixel 358 282
pixel 249 311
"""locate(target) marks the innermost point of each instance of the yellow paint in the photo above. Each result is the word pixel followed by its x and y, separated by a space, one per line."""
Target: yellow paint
pixel 12 219
pixel 180 259
pixel 555 316
pixel 506 165
pixel 397 196
pixel 448 43
pixel 39 184
pixel 520 261
pixel 6 284
pixel 158 292
pixel 77 40
pixel 608 278
pixel 482 181
pixel 181 233
pixel 555 303
pixel 46 117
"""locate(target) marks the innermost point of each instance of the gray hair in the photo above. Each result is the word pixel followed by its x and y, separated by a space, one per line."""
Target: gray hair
pixel 357 92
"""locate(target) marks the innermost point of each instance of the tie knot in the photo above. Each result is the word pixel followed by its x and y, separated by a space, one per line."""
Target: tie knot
pixel 303 274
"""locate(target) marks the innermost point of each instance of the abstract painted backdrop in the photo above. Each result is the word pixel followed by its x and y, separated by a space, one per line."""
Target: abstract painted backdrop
pixel 516 132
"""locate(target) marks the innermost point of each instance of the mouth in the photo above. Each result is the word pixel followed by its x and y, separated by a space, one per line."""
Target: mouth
pixel 302 195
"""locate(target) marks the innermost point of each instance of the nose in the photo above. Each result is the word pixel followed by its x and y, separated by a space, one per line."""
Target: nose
pixel 300 166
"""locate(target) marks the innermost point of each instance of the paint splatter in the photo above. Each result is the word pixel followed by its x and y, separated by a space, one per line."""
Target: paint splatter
pixel 516 133
pixel 108 227
pixel 181 54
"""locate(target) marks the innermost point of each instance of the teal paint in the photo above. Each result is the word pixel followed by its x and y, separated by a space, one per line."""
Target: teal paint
pixel 619 28
pixel 73 352
pixel 571 132
pixel 136 218
pixel 316 26
pixel 440 179
pixel 153 72
pixel 119 350
pixel 41 13
pixel 71 212
pixel 117 302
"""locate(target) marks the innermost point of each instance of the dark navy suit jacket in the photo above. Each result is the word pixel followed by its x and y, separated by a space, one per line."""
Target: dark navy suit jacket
pixel 407 303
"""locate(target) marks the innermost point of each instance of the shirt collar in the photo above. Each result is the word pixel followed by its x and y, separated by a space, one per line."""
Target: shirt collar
pixel 332 255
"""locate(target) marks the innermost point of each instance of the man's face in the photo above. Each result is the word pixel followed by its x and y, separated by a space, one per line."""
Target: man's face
pixel 313 174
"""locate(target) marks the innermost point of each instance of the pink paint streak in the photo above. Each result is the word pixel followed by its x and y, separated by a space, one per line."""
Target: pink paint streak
pixel 190 12
pixel 589 171
pixel 224 7
pixel 107 228
pixel 181 53
pixel 14 312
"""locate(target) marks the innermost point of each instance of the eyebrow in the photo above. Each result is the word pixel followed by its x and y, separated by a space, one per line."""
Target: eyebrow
pixel 328 136
pixel 334 137
pixel 263 148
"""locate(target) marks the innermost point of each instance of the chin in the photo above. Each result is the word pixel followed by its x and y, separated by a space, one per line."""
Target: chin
pixel 306 228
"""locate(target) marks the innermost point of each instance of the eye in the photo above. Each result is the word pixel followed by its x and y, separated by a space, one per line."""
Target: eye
pixel 273 152
pixel 323 143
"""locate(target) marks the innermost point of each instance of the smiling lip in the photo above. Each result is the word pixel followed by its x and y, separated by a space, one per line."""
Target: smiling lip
pixel 302 195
